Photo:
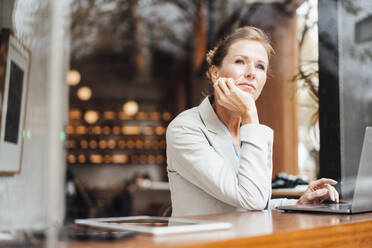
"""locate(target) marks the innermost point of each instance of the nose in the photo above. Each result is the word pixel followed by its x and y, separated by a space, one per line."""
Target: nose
pixel 250 72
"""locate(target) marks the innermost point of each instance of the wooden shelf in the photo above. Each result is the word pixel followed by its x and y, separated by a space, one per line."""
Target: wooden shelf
pixel 140 138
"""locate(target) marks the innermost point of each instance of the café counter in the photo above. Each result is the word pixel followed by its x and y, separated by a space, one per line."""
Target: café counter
pixel 268 228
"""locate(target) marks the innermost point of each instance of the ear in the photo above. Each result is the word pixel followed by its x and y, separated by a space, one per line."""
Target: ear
pixel 214 72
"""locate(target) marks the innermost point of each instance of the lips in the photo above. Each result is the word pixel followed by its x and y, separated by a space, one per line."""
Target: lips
pixel 247 84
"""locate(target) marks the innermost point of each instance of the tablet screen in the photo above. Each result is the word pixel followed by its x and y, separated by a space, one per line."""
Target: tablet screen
pixel 13 113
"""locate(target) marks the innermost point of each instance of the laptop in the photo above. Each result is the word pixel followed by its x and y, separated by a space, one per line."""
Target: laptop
pixel 362 197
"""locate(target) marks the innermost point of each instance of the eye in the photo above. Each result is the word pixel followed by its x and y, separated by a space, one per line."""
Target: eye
pixel 261 67
pixel 239 61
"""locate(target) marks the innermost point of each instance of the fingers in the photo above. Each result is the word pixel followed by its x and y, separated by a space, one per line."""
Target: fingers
pixel 223 86
pixel 326 181
pixel 333 194
pixel 311 196
pixel 223 93
pixel 320 195
pixel 218 91
pixel 230 83
pixel 234 99
pixel 320 183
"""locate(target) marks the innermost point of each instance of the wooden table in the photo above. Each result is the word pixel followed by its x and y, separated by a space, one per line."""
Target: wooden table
pixel 269 228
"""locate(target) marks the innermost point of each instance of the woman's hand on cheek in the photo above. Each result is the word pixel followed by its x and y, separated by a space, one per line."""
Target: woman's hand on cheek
pixel 231 97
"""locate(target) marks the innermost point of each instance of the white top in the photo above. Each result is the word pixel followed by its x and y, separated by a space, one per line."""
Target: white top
pixel 205 174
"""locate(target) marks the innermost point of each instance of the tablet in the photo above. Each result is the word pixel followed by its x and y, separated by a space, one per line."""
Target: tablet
pixel 154 225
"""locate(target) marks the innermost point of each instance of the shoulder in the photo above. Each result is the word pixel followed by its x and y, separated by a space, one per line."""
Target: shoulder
pixel 187 122
pixel 190 118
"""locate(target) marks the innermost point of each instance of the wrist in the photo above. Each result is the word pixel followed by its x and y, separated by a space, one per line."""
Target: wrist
pixel 249 117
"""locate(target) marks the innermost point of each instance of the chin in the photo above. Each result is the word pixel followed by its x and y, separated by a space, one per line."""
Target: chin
pixel 255 97
pixel 248 90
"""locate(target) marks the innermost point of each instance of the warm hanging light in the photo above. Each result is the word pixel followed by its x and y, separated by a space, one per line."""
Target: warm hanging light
pixel 91 116
pixel 130 108
pixel 73 77
pixel 84 93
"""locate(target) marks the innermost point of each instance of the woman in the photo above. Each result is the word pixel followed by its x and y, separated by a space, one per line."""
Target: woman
pixel 219 155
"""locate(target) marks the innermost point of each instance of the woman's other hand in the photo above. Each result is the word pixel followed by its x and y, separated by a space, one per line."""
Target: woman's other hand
pixel 233 98
pixel 319 191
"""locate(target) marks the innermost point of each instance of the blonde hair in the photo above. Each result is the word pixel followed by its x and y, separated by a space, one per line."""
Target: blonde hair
pixel 218 53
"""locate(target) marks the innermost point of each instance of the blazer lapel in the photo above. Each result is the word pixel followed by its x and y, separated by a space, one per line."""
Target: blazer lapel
pixel 221 142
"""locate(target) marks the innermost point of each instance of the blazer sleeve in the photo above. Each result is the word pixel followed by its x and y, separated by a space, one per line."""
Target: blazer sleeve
pixel 190 154
pixel 281 202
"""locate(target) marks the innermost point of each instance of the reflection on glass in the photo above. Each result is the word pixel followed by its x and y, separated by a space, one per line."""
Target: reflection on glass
pixel 355 63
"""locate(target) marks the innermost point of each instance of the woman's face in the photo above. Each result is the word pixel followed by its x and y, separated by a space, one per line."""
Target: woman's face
pixel 246 62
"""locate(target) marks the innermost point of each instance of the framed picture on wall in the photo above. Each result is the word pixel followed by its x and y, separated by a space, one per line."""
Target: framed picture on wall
pixel 14 69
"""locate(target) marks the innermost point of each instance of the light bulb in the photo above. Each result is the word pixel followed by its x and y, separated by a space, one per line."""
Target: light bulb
pixel 130 108
pixel 91 116
pixel 84 93
pixel 73 77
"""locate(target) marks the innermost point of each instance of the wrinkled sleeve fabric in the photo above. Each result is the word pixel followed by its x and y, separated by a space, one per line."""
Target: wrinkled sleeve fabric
pixel 190 154
pixel 281 202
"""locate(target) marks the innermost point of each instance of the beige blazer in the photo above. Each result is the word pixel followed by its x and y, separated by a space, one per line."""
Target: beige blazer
pixel 206 175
